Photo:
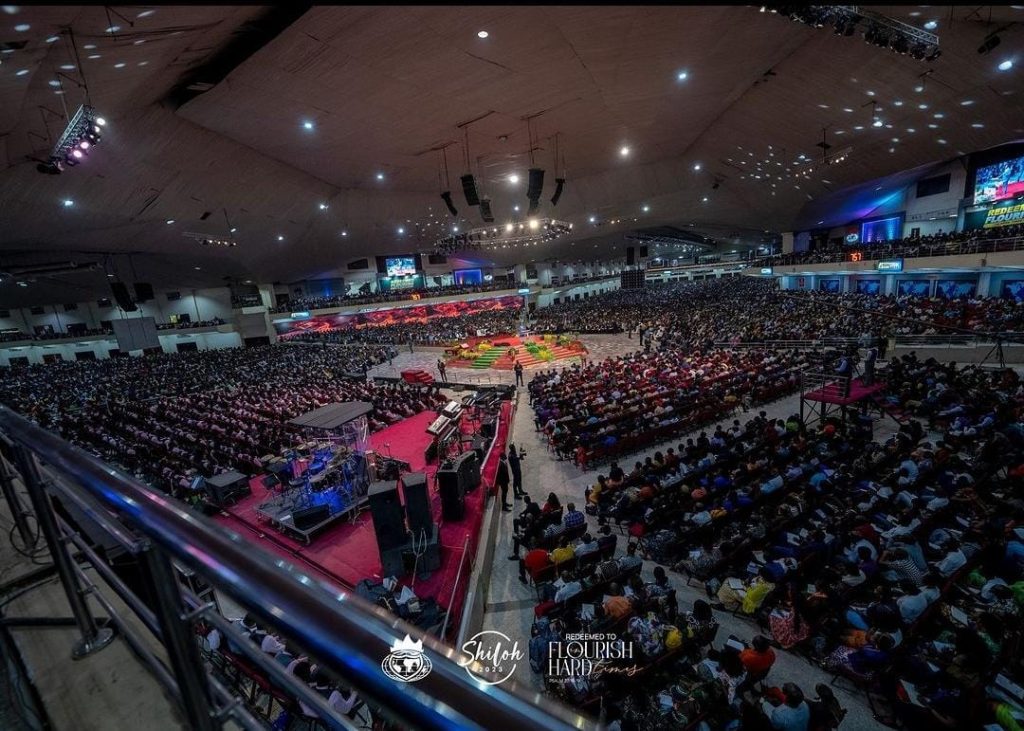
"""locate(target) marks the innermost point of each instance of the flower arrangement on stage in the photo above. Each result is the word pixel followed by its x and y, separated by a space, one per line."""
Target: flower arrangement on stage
pixel 540 352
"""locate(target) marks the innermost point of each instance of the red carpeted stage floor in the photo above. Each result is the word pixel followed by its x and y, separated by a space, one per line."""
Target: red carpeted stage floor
pixel 832 393
pixel 347 552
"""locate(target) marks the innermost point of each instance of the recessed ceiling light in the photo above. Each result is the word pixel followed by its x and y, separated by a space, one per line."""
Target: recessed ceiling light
pixel 513 178
pixel 1006 65
pixel 22 27
pixel 53 39
pixel 696 166
pixel 67 67
pixel 922 106
pixel 139 42
pixel 592 219
pixel 977 125
pixel 68 203
pixel 119 65
pixel 911 130
pixel 22 284
pixel 143 63
pixel 344 233
pixel 645 208
pixel 401 230
pixel 170 221
pixel 919 88
pixel 869 92
pixel 898 103
pixel 380 176
pixel 931 25
pixel 145 13
pixel 482 34
pixel 89 46
pixel 859 127
pixel 847 109
pixel 280 238
pixel 323 206
pixel 307 125
pixel 516 208
pixel 823 106
pixel 941 141
pixel 933 126
pixel 113 29
pixel 704 199
pixel 54 83
pixel 682 76
pixel 938 115
pixel 197 268
pixel 624 151
pixel 233 230
pixel 967 102
pixel 94 56
pixel 21 72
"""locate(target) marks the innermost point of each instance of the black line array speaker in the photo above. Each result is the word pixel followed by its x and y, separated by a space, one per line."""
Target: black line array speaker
pixel 485 211
pixel 143 291
pixel 447 198
pixel 308 517
pixel 643 252
pixel 469 190
pixel 388 519
pixel 630 256
pixel 122 297
pixel 453 494
pixel 536 186
pixel 559 185
pixel 417 501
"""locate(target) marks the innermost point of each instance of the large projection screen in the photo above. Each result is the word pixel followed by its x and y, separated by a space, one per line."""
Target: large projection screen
pixel 135 333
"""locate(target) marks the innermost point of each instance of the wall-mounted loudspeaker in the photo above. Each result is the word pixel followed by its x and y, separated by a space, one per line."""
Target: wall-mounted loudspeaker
pixel 469 190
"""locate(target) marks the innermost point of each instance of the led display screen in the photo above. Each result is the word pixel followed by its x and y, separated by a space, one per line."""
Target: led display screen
pixel 999 181
pixel 868 286
pixel 1014 290
pixel 468 276
pixel 953 289
pixel 914 287
pixel 829 285
pixel 400 266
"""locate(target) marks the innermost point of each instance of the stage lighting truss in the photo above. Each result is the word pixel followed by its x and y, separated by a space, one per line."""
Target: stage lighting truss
pixel 210 239
pixel 877 29
pixel 510 235
pixel 828 160
pixel 82 134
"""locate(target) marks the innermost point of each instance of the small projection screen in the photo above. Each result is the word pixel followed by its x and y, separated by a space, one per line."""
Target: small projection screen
pixel 135 333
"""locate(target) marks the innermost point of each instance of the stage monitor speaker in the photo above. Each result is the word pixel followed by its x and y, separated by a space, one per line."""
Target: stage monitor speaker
pixel 453 495
pixel 469 190
pixel 122 297
pixel 388 518
pixel 480 447
pixel 143 291
pixel 630 256
pixel 308 517
pixel 417 501
pixel 536 185
pixel 487 428
pixel 431 558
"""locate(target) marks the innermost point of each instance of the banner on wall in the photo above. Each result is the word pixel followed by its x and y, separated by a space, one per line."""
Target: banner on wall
pixel 396 315
pixel 997 216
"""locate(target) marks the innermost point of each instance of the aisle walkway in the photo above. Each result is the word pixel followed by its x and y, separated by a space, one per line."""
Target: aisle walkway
pixel 510 604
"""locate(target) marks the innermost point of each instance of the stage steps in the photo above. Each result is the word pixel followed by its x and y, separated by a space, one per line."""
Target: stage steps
pixel 487 359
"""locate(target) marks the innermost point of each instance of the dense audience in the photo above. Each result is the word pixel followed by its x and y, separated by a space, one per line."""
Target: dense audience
pixel 169 417
pixel 433 332
pixel 364 297
pixel 897 565
pixel 938 244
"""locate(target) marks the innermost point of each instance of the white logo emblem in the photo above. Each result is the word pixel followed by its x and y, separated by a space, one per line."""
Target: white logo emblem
pixel 406 662
pixel 496 653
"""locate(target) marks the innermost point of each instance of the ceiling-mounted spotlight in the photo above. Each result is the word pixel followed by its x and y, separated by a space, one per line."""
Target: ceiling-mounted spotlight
pixel 447 198
pixel 559 185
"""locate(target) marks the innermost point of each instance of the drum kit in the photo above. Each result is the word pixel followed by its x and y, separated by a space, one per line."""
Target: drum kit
pixel 334 475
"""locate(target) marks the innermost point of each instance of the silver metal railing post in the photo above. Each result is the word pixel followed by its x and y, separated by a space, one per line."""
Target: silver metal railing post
pixel 179 640
pixel 93 638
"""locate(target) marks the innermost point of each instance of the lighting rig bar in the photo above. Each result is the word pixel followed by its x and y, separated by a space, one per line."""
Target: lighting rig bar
pixel 828 161
pixel 210 239
pixel 531 232
pixel 82 133
pixel 685 245
pixel 877 29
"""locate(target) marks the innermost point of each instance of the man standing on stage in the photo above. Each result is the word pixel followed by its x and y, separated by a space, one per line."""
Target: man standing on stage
pixel 501 479
pixel 517 471
pixel 519 373
pixel 441 370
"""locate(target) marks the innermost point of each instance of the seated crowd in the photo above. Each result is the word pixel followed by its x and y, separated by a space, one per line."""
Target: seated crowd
pixel 169 417
pixel 362 297
pixel 896 566
pixel 436 331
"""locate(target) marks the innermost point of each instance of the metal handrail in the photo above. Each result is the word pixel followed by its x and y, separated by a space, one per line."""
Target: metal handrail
pixel 903 249
pixel 340 629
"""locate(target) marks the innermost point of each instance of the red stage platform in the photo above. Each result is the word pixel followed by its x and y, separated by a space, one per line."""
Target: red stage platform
pixel 347 552
pixel 832 393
